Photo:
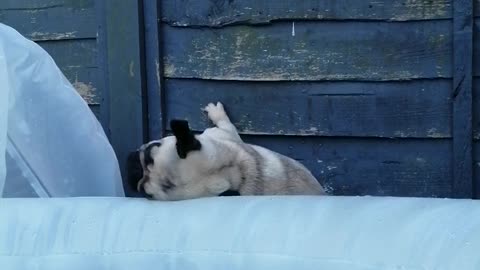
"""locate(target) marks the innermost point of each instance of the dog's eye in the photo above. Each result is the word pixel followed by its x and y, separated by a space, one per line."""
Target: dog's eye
pixel 167 185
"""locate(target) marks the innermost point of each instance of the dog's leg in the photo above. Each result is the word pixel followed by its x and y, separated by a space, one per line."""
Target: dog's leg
pixel 217 114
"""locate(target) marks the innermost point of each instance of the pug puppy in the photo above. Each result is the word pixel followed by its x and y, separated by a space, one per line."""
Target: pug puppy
pixel 188 166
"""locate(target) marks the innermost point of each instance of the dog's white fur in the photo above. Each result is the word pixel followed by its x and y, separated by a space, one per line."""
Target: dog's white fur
pixel 223 163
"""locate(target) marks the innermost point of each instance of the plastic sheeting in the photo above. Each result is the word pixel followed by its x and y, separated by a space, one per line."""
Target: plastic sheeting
pixel 334 233
pixel 52 142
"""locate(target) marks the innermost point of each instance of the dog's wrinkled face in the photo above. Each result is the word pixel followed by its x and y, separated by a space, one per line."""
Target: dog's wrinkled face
pixel 154 169
pixel 150 169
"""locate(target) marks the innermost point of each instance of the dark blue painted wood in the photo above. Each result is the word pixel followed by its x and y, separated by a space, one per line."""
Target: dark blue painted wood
pixel 154 69
pixel 418 108
pixel 102 59
pixel 476 179
pixel 355 166
pixel 377 51
pixel 50 19
pixel 476 107
pixel 67 53
pixel 66 30
pixel 125 77
pixel 77 59
pixel 221 13
pixel 462 98
pixel 476 46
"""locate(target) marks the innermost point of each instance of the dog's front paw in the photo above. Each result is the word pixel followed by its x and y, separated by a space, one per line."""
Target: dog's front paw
pixel 216 113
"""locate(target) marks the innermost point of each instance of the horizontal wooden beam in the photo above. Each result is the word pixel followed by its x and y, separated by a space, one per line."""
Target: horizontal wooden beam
pixel 412 109
pixel 311 51
pixel 50 20
pixel 222 13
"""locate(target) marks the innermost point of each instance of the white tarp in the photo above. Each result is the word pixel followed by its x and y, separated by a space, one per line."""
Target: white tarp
pixel 4 91
pixel 248 233
pixel 55 146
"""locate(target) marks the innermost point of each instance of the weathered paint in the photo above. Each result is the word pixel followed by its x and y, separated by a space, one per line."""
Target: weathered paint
pixel 50 19
pixel 418 108
pixel 66 29
pixel 78 61
pixel 87 91
pixel 318 51
pixel 222 13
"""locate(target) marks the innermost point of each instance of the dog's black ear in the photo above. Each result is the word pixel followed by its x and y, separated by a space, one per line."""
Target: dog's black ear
pixel 186 141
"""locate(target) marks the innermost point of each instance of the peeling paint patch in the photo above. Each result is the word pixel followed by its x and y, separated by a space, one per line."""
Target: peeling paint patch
pixel 433 133
pixel 157 64
pixel 420 160
pixel 38 36
pixel 87 92
pixel 130 69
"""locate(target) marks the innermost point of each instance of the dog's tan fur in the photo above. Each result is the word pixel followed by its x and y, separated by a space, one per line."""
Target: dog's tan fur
pixel 223 163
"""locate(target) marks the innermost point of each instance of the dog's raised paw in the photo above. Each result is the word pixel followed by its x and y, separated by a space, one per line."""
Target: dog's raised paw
pixel 216 112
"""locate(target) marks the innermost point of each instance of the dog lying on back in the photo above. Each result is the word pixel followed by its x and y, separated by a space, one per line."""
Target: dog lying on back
pixel 188 166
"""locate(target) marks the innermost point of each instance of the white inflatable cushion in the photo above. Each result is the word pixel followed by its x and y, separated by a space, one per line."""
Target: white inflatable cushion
pixel 331 233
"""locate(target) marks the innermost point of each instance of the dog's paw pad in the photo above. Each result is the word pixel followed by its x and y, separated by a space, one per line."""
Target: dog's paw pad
pixel 215 112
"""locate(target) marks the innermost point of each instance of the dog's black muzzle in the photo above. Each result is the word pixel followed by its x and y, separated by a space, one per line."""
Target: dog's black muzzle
pixel 134 172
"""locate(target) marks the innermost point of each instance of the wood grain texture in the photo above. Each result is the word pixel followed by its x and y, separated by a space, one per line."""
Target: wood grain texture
pixel 222 12
pixel 462 98
pixel 50 19
pixel 77 59
pixel 418 108
pixel 381 167
pixel 311 51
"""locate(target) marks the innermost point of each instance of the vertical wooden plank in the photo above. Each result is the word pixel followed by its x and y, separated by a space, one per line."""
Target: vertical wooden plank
pixel 476 171
pixel 101 19
pixel 154 74
pixel 462 99
pixel 125 76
